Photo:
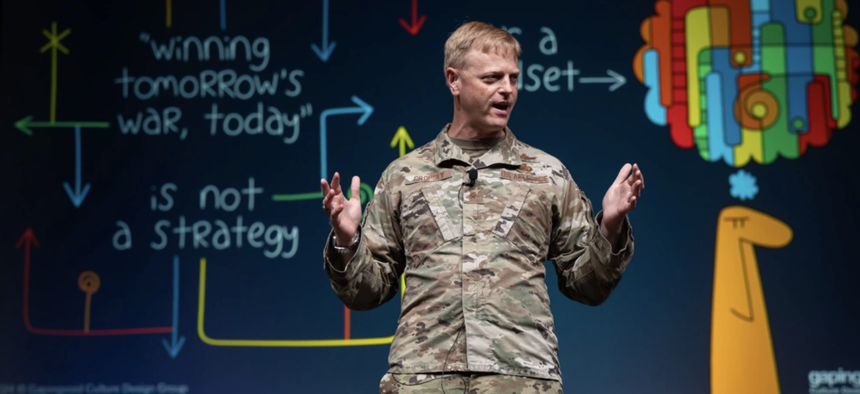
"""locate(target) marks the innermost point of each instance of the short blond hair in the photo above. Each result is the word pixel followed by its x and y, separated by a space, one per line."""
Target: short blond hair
pixel 480 36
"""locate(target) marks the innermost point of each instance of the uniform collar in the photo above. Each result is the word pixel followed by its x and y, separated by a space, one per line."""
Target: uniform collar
pixel 502 153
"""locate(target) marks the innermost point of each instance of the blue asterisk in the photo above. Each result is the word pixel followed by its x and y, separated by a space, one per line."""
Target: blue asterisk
pixel 743 185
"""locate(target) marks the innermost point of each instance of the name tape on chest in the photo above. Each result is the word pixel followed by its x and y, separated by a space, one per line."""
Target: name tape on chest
pixel 434 177
pixel 524 177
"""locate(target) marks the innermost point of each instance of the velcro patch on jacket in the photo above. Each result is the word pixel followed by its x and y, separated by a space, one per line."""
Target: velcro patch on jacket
pixel 524 177
pixel 434 177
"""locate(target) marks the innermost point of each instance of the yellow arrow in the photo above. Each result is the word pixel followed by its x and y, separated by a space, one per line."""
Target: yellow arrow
pixel 401 138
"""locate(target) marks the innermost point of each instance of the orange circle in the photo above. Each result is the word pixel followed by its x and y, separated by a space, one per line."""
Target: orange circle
pixel 756 109
pixel 89 282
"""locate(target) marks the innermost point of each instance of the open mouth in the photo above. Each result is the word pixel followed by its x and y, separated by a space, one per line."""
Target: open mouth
pixel 501 107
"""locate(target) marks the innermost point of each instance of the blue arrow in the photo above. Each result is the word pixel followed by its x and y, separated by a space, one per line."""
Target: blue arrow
pixel 223 14
pixel 327 47
pixel 175 345
pixel 362 108
pixel 77 195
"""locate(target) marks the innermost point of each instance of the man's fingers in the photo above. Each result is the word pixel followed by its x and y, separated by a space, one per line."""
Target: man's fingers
pixel 632 201
pixel 623 173
pixel 637 187
pixel 335 183
pixel 334 213
pixel 327 199
pixel 637 173
pixel 325 187
pixel 325 192
pixel 356 184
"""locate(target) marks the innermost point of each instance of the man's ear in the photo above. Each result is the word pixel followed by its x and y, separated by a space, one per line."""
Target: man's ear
pixel 452 76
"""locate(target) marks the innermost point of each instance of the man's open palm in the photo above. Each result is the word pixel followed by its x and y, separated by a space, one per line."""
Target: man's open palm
pixel 344 214
pixel 622 196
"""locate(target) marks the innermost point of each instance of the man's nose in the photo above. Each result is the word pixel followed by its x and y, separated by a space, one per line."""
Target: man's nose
pixel 507 86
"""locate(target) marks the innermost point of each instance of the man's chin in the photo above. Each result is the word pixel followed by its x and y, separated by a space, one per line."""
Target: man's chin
pixel 498 123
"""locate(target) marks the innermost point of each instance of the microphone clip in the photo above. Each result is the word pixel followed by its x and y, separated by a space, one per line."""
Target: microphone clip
pixel 473 175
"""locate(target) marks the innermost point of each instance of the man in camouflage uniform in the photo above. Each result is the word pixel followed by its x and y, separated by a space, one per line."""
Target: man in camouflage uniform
pixel 469 219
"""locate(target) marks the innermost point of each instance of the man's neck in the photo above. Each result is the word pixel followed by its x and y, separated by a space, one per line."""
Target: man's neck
pixel 466 132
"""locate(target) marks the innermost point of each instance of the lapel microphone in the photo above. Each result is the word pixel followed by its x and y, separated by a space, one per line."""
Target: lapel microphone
pixel 473 175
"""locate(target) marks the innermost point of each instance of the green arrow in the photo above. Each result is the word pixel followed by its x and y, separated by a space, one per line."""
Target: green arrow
pixel 366 193
pixel 25 124
pixel 401 138
pixel 297 197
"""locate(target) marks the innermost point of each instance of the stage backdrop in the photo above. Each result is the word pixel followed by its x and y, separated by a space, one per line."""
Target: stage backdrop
pixel 161 229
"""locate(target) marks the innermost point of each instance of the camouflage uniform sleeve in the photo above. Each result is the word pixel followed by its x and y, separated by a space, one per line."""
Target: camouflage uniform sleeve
pixel 587 267
pixel 371 277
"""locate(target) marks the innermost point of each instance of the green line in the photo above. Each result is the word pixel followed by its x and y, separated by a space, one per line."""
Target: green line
pixel 296 197
pixel 90 125
pixel 25 124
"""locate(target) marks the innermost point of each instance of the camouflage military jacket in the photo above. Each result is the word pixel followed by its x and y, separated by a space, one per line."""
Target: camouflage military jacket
pixel 473 257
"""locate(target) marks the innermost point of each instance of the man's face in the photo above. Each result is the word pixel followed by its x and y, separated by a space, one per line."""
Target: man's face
pixel 487 87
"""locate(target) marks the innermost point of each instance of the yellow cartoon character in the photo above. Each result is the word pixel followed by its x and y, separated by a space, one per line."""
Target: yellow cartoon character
pixel 742 358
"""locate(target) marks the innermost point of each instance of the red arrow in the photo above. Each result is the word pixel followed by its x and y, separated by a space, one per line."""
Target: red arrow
pixel 27 239
pixel 416 21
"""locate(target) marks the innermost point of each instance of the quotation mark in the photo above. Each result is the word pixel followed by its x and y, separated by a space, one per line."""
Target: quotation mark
pixel 144 37
pixel 306 110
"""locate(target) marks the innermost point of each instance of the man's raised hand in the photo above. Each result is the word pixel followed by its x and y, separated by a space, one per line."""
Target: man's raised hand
pixel 623 194
pixel 344 214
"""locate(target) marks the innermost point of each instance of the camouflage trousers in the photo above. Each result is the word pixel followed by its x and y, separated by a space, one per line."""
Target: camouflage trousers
pixel 465 383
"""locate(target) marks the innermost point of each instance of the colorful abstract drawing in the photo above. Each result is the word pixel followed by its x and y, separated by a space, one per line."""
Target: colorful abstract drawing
pixel 749 79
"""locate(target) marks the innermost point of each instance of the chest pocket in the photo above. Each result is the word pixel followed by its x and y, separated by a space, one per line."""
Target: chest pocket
pixel 424 217
pixel 526 221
